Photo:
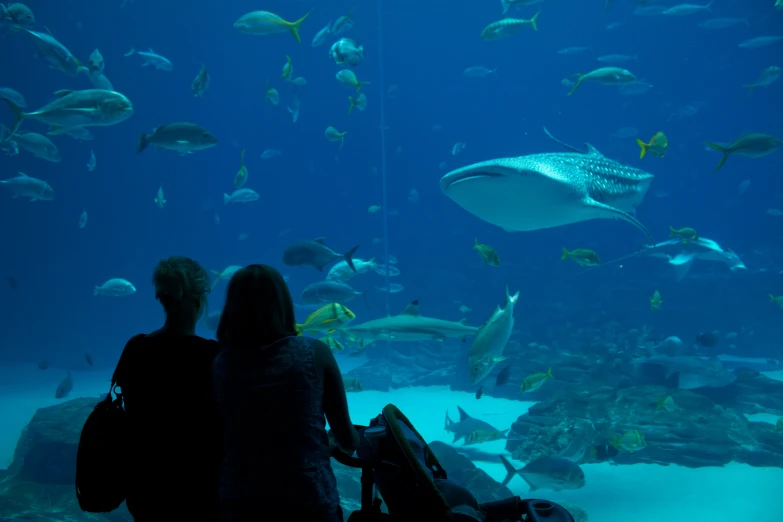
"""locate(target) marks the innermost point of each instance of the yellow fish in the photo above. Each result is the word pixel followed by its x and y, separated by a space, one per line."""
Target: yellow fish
pixel 656 147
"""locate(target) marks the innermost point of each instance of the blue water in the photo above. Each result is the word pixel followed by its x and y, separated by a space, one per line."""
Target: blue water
pixel 312 190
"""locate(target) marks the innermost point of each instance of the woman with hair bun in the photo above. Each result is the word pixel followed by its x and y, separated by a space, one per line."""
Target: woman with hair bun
pixel 165 379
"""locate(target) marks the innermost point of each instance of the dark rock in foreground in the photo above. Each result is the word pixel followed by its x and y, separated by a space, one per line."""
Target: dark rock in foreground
pixel 39 484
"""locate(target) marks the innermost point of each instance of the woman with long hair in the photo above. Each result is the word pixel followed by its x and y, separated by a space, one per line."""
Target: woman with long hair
pixel 275 390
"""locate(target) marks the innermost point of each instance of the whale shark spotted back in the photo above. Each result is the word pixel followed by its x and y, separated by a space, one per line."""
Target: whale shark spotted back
pixel 546 190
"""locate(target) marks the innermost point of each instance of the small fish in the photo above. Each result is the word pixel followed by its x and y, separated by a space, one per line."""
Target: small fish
pixel 328 318
pixel 665 403
pixel 333 344
pixel 684 234
pixel 634 88
pixel 464 309
pixel 352 384
pixel 508 27
pixel 630 442
pixel 316 254
pixel 345 50
pixel 479 393
pixel 64 388
pixel 272 96
pixel 604 76
pixel 753 145
pixel 88 358
pixel 775 212
pixel 29 187
pixel 759 41
pixel 656 301
pixel 224 275
pixel 115 287
pixel 708 339
pixel 263 23
pixel 92 162
pixel 241 177
pixel 687 9
pixel 83 219
pixel 360 102
pixel 457 148
pixel 581 256
pixel 334 135
pixel 200 82
pixel 778 300
pixel 344 23
pixel 503 376
pixel 182 137
pixel 152 58
pixel 535 381
pixel 43 365
pixel 656 147
pixel 392 288
pixel 348 78
pixel 270 153
pixel 243 195
pixel 321 36
pixel 479 72
pixel 373 209
pixel 37 144
pixel 160 199
pixel 487 254
pixel 766 78
pixel 288 69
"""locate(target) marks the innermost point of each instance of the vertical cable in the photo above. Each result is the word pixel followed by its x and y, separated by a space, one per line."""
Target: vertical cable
pixel 384 198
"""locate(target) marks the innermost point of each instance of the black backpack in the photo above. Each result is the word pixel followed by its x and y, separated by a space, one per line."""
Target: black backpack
pixel 101 459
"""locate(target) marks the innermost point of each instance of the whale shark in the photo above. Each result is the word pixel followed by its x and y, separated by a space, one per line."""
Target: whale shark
pixel 409 325
pixel 548 190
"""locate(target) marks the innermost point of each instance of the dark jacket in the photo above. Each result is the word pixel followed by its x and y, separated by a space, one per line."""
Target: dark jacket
pixel 174 448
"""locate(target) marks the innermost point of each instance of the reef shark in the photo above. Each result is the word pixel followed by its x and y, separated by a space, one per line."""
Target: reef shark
pixel 467 425
pixel 548 190
pixel 409 325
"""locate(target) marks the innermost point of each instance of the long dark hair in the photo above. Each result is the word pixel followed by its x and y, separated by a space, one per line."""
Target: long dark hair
pixel 258 310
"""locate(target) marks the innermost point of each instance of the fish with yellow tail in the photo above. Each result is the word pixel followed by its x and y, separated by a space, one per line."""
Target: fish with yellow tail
pixel 263 23
pixel 327 319
pixel 508 27
pixel 656 301
pixel 605 76
pixel 657 146
pixel 535 381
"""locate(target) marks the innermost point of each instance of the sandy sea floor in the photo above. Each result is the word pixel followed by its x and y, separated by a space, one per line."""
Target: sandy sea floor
pixel 639 493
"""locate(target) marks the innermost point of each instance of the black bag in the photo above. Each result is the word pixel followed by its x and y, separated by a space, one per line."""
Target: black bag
pixel 101 459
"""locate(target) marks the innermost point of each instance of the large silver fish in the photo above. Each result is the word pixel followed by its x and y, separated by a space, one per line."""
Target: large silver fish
pixel 90 107
pixel 549 190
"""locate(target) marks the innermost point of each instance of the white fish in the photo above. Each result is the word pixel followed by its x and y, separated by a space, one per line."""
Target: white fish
pixel 152 58
pixel 27 187
pixel 83 219
pixel 294 108
pixel 759 41
pixel 723 23
pixel 160 199
pixel 687 9
pixel 322 35
pixel 342 272
pixel 457 148
pixel 479 72
pixel 270 153
pixel 92 162
pixel 115 287
pixel 491 340
pixel 243 195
